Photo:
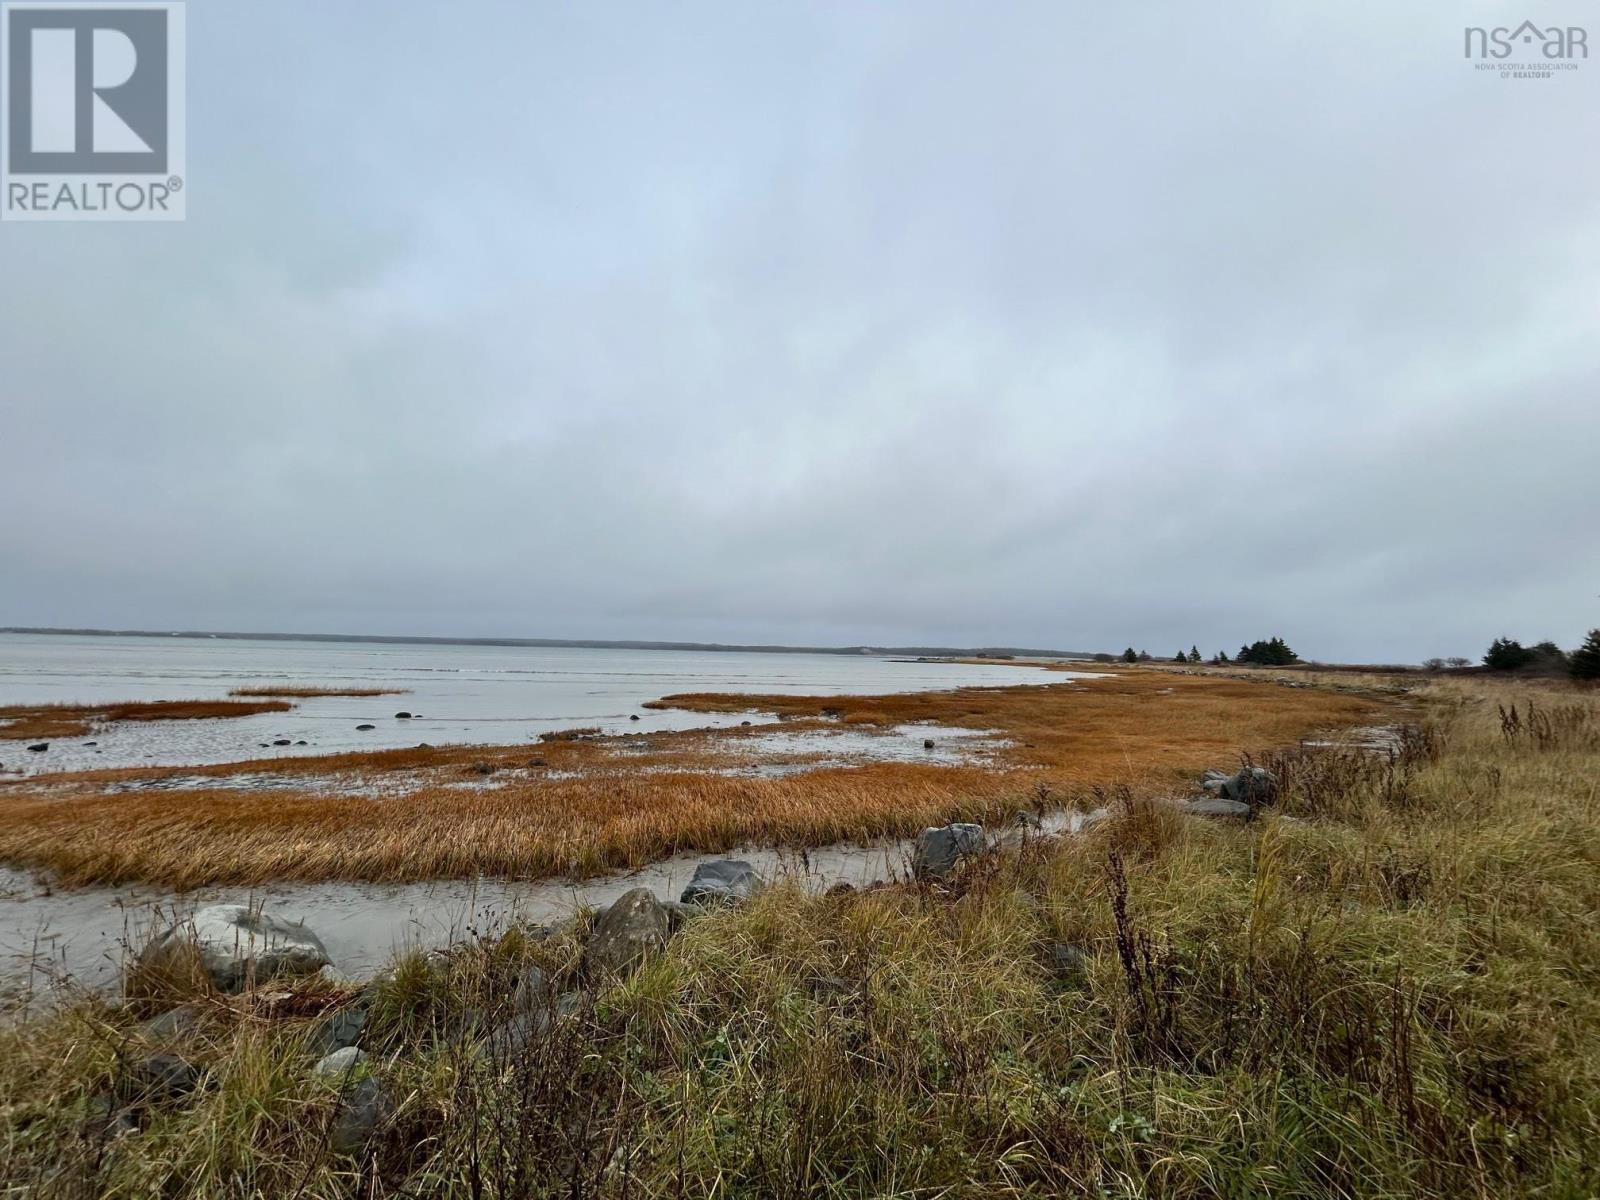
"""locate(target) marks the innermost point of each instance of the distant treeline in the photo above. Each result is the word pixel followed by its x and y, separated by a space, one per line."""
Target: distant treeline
pixel 1268 652
pixel 1545 658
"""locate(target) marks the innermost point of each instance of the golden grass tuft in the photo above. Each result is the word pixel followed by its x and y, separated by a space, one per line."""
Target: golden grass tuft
pixel 38 721
pixel 307 693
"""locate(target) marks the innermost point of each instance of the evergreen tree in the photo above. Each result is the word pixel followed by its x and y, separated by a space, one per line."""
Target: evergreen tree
pixel 1194 654
pixel 1274 652
pixel 1507 654
pixel 1130 655
pixel 1144 656
pixel 1180 657
pixel 1548 656
pixel 1585 660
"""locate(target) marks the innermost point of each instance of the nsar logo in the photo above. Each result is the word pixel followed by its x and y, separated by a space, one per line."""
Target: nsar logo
pixel 1553 42
pixel 94 111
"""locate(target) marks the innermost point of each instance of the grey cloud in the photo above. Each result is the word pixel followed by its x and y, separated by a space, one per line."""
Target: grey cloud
pixel 1033 323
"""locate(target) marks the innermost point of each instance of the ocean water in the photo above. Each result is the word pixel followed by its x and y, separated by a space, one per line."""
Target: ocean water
pixel 483 695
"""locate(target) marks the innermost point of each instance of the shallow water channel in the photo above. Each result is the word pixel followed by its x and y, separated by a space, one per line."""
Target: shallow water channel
pixel 50 939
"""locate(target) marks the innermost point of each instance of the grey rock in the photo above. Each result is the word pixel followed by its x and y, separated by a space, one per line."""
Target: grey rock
pixel 722 881
pixel 340 1062
pixel 172 1025
pixel 39 747
pixel 938 850
pixel 679 913
pixel 159 1079
pixel 1067 963
pixel 337 1030
pixel 1252 785
pixel 402 716
pixel 513 1037
pixel 1249 785
pixel 1218 807
pixel 361 1110
pixel 927 743
pixel 240 945
pixel 632 929
pixel 364 728
pixel 281 742
pixel 532 991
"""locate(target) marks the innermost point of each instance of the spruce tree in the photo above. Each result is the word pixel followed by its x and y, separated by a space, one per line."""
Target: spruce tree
pixel 1507 654
pixel 1130 655
pixel 1584 662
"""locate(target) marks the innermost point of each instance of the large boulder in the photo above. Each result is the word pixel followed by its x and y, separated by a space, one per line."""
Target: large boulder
pixel 532 992
pixel 1248 785
pixel 937 851
pixel 158 1079
pixel 632 929
pixel 338 1030
pixel 172 1025
pixel 362 1108
pixel 340 1063
pixel 722 881
pixel 1215 806
pixel 238 946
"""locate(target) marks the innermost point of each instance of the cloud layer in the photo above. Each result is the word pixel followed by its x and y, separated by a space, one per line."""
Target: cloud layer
pixel 828 323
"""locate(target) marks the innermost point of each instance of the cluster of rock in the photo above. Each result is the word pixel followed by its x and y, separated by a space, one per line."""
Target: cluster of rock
pixel 1238 795
pixel 240 947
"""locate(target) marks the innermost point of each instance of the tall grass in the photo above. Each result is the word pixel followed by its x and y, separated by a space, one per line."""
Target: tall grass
pixel 1388 987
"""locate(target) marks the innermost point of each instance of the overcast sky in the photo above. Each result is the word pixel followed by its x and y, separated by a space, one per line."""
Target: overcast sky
pixel 1047 324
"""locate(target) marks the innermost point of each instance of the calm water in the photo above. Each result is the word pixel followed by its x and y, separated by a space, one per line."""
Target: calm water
pixel 479 694
pixel 464 694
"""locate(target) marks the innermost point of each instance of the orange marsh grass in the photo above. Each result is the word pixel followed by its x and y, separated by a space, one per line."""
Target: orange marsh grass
pixel 307 693
pixel 73 720
pixel 581 807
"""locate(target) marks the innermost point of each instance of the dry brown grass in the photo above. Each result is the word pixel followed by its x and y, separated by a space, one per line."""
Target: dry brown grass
pixel 307 693
pixel 1392 995
pixel 31 721
pixel 580 807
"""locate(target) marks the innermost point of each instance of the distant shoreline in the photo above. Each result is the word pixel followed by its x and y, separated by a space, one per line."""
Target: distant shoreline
pixel 557 643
